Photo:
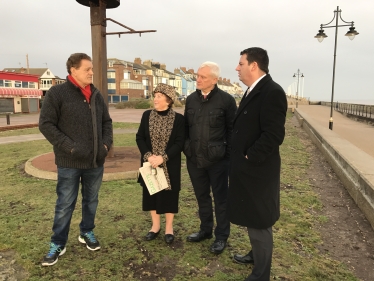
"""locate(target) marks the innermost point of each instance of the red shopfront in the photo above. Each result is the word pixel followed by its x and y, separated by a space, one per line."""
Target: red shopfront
pixel 19 93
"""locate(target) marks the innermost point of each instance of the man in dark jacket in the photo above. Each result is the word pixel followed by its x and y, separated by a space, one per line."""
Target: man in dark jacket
pixel 258 131
pixel 209 113
pixel 75 120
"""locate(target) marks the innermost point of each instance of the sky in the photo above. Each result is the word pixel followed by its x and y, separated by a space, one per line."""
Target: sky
pixel 192 32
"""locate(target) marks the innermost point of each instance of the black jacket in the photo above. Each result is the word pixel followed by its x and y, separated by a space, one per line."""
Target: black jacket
pixel 258 131
pixel 173 148
pixel 77 130
pixel 209 127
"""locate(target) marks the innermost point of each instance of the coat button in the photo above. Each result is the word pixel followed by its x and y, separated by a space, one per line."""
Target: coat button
pixel 245 112
pixel 236 131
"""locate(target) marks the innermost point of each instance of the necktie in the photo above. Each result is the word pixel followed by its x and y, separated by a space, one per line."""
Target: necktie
pixel 247 93
pixel 205 97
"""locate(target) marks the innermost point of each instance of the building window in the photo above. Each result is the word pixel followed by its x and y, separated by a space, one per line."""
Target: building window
pixel 18 84
pixel 1 83
pixel 31 84
pixel 110 64
pixel 111 85
pixel 48 73
pixel 111 74
pixel 25 84
pixel 7 83
pixel 126 75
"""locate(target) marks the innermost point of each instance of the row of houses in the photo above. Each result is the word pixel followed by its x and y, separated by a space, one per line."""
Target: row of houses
pixel 22 89
pixel 133 80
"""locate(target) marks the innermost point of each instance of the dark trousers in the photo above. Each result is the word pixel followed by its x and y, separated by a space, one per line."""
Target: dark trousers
pixel 262 251
pixel 215 177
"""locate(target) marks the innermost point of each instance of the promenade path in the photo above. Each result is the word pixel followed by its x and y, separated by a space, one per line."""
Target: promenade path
pixel 359 134
pixel 118 115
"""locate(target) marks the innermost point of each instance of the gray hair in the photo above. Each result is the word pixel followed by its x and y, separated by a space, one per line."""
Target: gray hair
pixel 214 68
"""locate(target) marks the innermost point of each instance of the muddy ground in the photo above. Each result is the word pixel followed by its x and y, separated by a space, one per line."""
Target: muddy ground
pixel 347 235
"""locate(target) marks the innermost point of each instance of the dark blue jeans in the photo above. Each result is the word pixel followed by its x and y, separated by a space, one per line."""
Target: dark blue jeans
pixel 67 192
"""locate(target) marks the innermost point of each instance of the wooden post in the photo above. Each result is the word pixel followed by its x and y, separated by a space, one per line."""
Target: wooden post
pixel 99 55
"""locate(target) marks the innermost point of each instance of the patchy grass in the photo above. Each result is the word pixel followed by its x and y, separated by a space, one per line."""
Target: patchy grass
pixel 28 131
pixel 124 125
pixel 27 210
pixel 19 132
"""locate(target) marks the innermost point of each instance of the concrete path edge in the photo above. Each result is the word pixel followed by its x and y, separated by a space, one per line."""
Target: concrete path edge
pixel 353 166
pixel 35 172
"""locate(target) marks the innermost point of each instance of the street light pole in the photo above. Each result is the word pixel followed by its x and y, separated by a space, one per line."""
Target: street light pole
pixel 321 35
pixel 297 89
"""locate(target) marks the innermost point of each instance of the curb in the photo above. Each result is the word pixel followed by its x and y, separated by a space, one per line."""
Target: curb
pixel 35 172
pixel 352 165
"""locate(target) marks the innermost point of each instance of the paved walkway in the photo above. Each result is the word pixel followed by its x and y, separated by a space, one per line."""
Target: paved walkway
pixel 357 133
pixel 118 115
pixel 32 137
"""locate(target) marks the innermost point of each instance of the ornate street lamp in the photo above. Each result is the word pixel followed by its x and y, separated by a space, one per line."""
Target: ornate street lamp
pixel 321 35
pixel 297 89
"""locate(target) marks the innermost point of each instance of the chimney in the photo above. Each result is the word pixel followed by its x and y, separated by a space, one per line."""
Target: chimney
pixel 138 61
pixel 176 71
pixel 191 71
pixel 22 70
pixel 224 79
pixel 148 63
pixel 156 64
pixel 184 69
pixel 220 78
pixel 163 66
pixel 228 80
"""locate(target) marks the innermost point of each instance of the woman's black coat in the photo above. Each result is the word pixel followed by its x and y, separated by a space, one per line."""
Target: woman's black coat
pixel 173 148
pixel 258 131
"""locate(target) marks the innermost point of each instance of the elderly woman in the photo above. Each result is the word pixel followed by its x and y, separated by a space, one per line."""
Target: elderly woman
pixel 160 139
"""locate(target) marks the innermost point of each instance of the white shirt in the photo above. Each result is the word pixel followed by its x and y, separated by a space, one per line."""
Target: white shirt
pixel 254 84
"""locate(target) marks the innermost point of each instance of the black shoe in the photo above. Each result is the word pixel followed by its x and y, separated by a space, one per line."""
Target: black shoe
pixel 199 236
pixel 152 235
pixel 218 246
pixel 54 252
pixel 90 240
pixel 247 259
pixel 169 238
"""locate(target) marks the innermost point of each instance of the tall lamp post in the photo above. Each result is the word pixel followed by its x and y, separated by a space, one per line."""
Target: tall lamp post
pixel 321 35
pixel 297 89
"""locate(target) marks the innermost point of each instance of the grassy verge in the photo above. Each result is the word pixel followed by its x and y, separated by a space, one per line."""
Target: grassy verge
pixel 123 125
pixel 19 132
pixel 116 125
pixel 27 209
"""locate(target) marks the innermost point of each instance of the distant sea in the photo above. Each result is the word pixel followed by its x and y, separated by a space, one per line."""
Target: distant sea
pixel 367 102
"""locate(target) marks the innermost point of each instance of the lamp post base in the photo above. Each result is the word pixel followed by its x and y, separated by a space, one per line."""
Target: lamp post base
pixel 330 125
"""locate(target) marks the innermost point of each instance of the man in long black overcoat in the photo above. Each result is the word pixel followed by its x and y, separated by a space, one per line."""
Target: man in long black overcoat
pixel 258 131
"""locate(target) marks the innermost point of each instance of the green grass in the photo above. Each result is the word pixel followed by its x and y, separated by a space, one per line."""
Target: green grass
pixel 27 209
pixel 19 132
pixel 28 131
pixel 123 125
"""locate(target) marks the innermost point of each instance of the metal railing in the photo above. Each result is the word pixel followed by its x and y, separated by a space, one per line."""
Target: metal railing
pixel 361 110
